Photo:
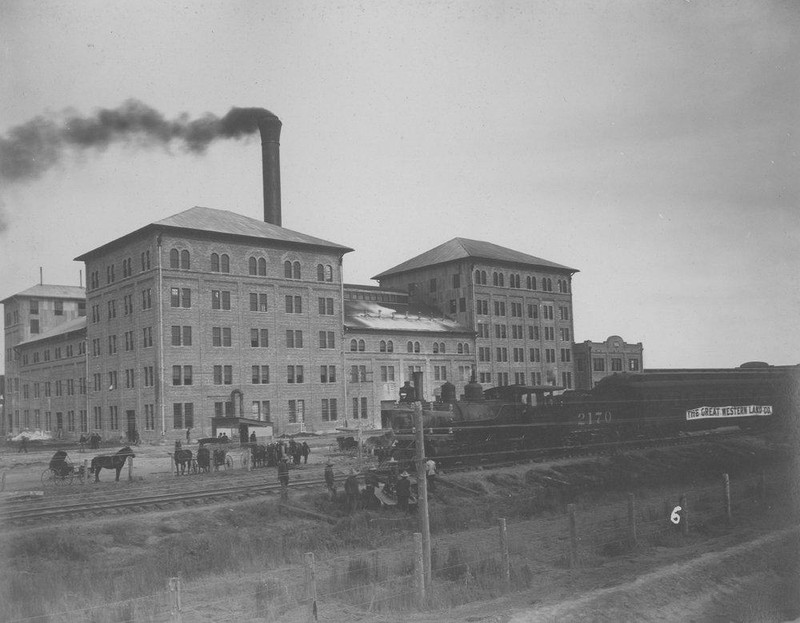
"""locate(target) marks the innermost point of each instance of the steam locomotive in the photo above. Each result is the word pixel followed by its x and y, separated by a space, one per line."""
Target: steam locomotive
pixel 621 407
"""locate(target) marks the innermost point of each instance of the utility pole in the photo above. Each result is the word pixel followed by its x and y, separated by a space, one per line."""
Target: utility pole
pixel 422 492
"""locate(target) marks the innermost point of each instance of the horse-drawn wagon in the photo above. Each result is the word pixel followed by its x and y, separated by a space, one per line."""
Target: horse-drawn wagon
pixel 61 470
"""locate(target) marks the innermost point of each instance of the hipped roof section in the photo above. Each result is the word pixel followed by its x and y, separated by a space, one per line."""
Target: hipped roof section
pixel 464 248
pixel 208 221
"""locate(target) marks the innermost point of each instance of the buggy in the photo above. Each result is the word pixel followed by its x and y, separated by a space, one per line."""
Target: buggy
pixel 61 470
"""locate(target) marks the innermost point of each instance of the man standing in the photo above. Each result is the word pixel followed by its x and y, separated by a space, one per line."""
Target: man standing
pixel 403 489
pixel 23 446
pixel 283 477
pixel 187 435
pixel 352 491
pixel 430 474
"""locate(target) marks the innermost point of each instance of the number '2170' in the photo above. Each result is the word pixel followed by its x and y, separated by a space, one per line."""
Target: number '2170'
pixel 594 417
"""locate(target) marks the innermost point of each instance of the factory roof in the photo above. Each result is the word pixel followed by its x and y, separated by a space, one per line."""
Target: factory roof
pixel 225 223
pixel 76 324
pixel 50 291
pixel 463 248
pixel 370 315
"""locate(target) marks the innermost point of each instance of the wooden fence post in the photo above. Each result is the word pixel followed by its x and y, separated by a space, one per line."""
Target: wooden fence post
pixel 632 519
pixel 573 537
pixel 726 492
pixel 311 586
pixel 175 600
pixel 506 565
pixel 684 501
pixel 419 569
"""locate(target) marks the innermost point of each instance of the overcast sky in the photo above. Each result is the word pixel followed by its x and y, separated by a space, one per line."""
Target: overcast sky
pixel 651 145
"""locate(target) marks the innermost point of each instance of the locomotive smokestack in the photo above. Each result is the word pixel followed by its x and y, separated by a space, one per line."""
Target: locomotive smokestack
pixel 270 127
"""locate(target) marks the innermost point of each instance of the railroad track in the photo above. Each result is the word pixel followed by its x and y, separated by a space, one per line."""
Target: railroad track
pixel 14 513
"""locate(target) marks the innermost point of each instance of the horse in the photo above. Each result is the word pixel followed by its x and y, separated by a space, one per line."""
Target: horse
pixel 183 458
pixel 114 461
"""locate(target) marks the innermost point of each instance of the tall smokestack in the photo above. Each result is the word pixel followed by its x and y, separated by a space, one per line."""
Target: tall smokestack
pixel 270 127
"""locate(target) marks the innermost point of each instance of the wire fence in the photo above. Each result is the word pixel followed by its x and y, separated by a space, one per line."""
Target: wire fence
pixel 491 562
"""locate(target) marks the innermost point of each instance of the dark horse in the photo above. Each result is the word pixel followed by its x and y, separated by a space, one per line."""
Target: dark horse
pixel 114 461
pixel 183 459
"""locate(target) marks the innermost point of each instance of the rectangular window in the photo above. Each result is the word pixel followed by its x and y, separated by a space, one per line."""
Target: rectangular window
pixel 326 339
pixel 149 417
pixel 261 410
pixel 34 325
pixel 59 308
pixel 500 331
pixel 325 306
pixel 294 339
pixel 565 335
pixel 113 418
pixel 34 307
pixel 457 280
pixel 598 365
pixel 482 307
pixel 258 302
pixel 633 365
pixel 294 374
pixel 220 299
pixel 327 374
pixel 329 410
pixel 149 379
pixel 566 356
pixel 259 338
pixel 223 375
pixel 616 364
pixel 260 375
pixel 499 308
pixel 387 374
pixel 297 409
pixel 147 337
pixel 294 304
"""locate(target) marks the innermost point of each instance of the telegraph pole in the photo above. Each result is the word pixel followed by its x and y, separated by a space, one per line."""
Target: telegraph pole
pixel 422 492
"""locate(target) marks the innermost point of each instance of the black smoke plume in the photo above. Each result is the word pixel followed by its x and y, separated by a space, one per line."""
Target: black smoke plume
pixel 27 151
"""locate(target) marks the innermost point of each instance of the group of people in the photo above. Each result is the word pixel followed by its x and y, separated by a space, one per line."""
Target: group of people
pixel 397 484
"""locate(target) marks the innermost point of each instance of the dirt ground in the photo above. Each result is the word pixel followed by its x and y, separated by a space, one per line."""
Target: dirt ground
pixel 747 573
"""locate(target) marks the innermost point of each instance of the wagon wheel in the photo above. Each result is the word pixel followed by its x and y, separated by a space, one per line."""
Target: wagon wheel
pixel 66 479
pixel 80 473
pixel 228 462
pixel 48 477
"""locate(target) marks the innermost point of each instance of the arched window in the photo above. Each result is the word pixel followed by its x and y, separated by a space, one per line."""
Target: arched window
pixel 466 349
pixel 382 346
pixel 262 267
pixel 353 345
pixel 477 276
pixel 224 263
pixel 460 348
pixel 495 279
pixel 287 269
pixel 296 270
pixel 549 284
pixel 502 279
pixel 252 266
pixel 416 347
pixel 361 346
pixel 436 348
pixel 441 348
pixel 410 347
pixel 214 263
pixel 185 259
pixel 320 272
pixel 174 261
pixel 328 272
pixel 390 346
pixel 483 277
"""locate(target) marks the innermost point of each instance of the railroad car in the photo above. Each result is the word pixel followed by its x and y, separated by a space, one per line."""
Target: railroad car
pixel 621 407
